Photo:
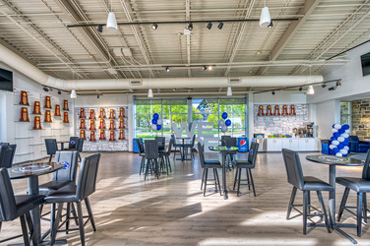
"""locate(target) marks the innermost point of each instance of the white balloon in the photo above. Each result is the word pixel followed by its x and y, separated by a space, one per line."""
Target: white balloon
pixel 221 123
pixel 159 122
pixel 334 130
pixel 345 135
pixel 346 148
pixel 335 142
pixel 332 146
pixel 340 139
pixel 338 154
pixel 154 127
pixel 348 131
pixel 224 128
pixel 337 126
pixel 343 151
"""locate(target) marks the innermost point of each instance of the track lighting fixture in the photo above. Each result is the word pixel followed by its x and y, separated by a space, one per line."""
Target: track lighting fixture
pixel 73 94
pixel 204 68
pixel 150 93
pixel 154 26
pixel 59 92
pixel 100 28
pixel 332 88
pixel 98 96
pixel 300 88
pixel 210 68
pixel 273 92
pixel 229 92
pixel 220 25
pixel 271 25
pixel 190 26
pixel 323 85
pixel 339 84
pixel 167 69
pixel 310 90
pixel 46 89
pixel 209 26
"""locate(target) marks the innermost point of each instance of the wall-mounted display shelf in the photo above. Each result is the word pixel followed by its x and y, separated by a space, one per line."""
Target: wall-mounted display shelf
pixel 28 137
pixel 22 105
pixel 36 144
pixel 21 154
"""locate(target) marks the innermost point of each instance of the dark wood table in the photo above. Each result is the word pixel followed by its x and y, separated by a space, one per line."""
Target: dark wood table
pixel 224 151
pixel 62 143
pixel 333 162
pixel 32 171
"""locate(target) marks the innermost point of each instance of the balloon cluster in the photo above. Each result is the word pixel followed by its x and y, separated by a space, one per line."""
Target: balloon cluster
pixel 224 123
pixel 156 123
pixel 339 140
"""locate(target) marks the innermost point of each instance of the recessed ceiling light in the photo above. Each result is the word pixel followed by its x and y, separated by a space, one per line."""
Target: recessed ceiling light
pixel 167 69
pixel 210 68
pixel 154 26
pixel 204 68
pixel 190 26
pixel 259 52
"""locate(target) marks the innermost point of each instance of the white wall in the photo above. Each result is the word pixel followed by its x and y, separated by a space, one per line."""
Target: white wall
pixel 280 98
pixel 327 114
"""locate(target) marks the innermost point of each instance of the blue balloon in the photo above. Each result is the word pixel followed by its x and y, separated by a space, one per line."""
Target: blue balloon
pixel 224 115
pixel 340 131
pixel 159 127
pixel 154 121
pixel 333 138
pixel 345 155
pixel 346 139
pixel 228 122
pixel 340 146
pixel 345 127
pixel 336 135
pixel 335 150
pixel 155 116
pixel 333 126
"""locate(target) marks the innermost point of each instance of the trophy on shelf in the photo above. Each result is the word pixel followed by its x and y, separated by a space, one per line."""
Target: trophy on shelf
pixel 268 110
pixel 65 105
pixel 92 125
pixel 276 110
pixel 37 123
pixel 57 110
pixel 111 125
pixel 121 113
pixel 260 111
pixel 24 115
pixel 285 110
pixel 102 124
pixel 82 134
pixel 82 124
pixel 111 136
pixel 121 135
pixel 65 117
pixel 101 113
pixel 121 124
pixel 47 102
pixel 292 110
pixel 102 135
pixel 92 136
pixel 47 116
pixel 92 114
pixel 82 113
pixel 24 98
pixel 36 108
pixel 111 114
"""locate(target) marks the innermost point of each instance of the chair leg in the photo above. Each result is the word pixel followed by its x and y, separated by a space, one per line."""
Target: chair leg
pixel 343 203
pixel 68 215
pixel 51 156
pixel 73 210
pixel 324 210
pixel 248 180
pixel 291 201
pixel 215 178
pixel 359 213
pixel 30 227
pixel 252 182
pixel 54 228
pixel 89 211
pixel 146 169
pixel 142 164
pixel 24 230
pixel 239 178
pixel 305 211
pixel 174 154
pixel 218 182
pixel 364 207
pixel 205 181
pixel 156 171
pixel 203 175
pixel 169 163
pixel 81 223
pixel 236 178
pixel 309 203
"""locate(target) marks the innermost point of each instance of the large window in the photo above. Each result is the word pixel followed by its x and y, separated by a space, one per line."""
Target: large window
pixel 345 113
pixel 190 110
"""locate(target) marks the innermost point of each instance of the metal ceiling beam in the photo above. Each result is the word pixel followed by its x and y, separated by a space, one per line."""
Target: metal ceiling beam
pixel 72 12
pixel 291 31
pixel 188 37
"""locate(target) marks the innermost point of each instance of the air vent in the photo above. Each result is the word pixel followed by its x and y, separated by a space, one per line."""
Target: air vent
pixel 234 81
pixel 136 82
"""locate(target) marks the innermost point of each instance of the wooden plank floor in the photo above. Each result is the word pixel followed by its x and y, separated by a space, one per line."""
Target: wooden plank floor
pixel 173 211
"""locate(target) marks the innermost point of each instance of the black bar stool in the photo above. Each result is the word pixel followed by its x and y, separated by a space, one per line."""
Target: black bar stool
pixel 151 155
pixel 7 153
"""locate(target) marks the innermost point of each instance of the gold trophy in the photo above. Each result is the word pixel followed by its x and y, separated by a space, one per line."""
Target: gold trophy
pixel 57 110
pixel 47 102
pixel 47 116
pixel 37 123
pixel 24 98
pixel 36 108
pixel 24 115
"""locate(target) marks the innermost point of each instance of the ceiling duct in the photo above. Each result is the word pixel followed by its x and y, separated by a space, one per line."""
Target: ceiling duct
pixel 234 81
pixel 136 82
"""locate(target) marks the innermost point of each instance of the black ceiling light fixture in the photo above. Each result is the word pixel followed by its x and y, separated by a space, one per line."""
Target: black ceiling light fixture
pixel 190 26
pixel 300 88
pixel 204 68
pixel 167 69
pixel 100 28
pixel 323 85
pixel 154 26
pixel 273 92
pixel 46 89
pixel 339 84
pixel 209 25
pixel 220 25
pixel 271 25
pixel 59 92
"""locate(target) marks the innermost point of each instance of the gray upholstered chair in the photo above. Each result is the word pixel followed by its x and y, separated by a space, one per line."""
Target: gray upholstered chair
pixel 51 147
pixel 248 165
pixel 79 147
pixel 176 145
pixel 12 207
pixel 151 155
pixel 306 184
pixel 7 153
pixel 72 143
pixel 140 146
pixel 361 186
pixel 161 142
pixel 208 164
pixel 190 146
pixel 165 158
pixel 72 193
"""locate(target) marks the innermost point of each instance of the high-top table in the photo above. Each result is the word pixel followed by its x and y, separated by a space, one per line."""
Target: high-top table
pixel 333 162
pixel 32 171
pixel 182 153
pixel 225 150
pixel 62 143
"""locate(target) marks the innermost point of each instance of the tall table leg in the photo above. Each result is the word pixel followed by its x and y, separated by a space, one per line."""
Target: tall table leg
pixel 33 189
pixel 332 175
pixel 224 174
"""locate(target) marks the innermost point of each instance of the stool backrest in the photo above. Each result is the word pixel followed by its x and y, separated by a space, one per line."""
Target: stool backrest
pixel 86 184
pixel 51 146
pixel 68 173
pixel 73 142
pixel 80 144
pixel 151 149
pixel 170 146
pixel 366 169
pixel 7 153
pixel 293 168
pixel 161 142
pixel 252 156
pixel 4 143
pixel 223 139
pixel 140 146
pixel 193 141
pixel 201 154
pixel 229 141
pixel 8 207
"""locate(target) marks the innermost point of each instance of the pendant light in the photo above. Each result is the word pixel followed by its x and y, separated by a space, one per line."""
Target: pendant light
pixel 150 93
pixel 73 94
pixel 310 90
pixel 229 92
pixel 111 21
pixel 265 18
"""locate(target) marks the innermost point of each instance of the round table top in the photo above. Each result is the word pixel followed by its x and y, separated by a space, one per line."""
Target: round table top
pixel 34 169
pixel 66 141
pixel 183 137
pixel 223 148
pixel 334 160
